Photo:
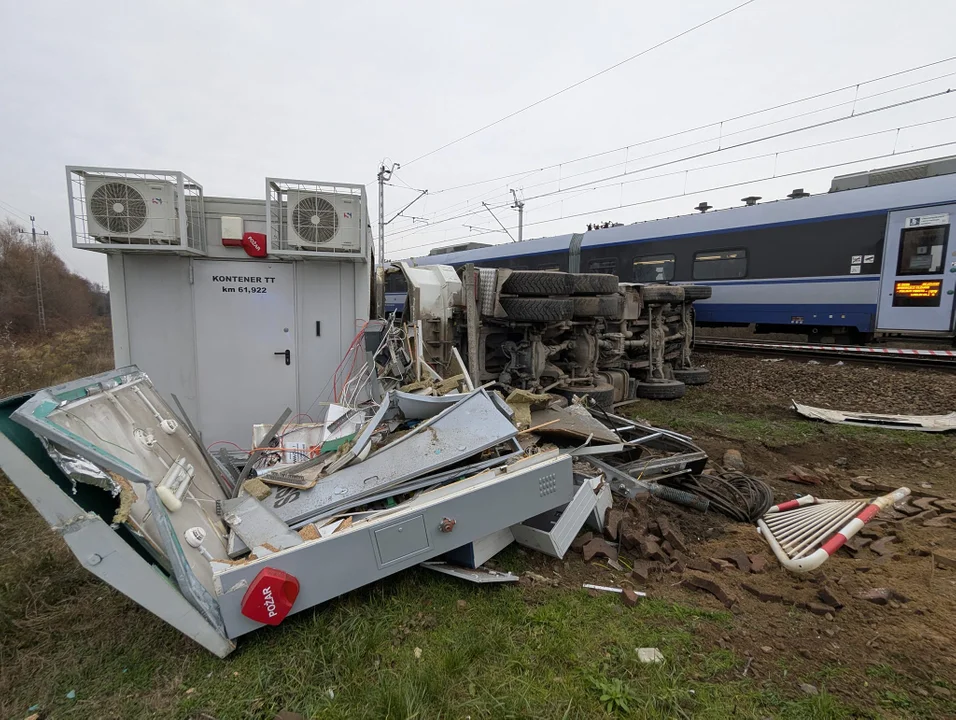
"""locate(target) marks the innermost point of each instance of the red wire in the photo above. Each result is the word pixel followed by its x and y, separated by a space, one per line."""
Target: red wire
pixel 306 415
pixel 335 388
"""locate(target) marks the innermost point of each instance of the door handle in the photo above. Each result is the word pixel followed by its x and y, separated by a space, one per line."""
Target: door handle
pixel 288 356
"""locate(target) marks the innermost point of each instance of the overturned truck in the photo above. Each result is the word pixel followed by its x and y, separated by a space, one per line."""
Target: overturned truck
pixel 572 334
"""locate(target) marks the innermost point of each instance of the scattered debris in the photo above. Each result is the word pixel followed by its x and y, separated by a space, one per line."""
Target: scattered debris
pixel 733 460
pixel 598 547
pixel 809 689
pixel 630 597
pixel 882 596
pixel 650 655
pixel 830 598
pixel 738 557
pixel 758 563
pixel 881 546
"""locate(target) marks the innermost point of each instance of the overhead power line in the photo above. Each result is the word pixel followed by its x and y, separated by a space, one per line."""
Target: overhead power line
pixel 581 82
pixel 723 121
pixel 694 156
pixel 721 137
pixel 710 189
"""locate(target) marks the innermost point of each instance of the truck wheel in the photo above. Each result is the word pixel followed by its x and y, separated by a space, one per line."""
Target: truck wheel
pixel 608 306
pixel 546 310
pixel 601 394
pixel 594 284
pixel 693 376
pixel 530 282
pixel 662 294
pixel 661 389
pixel 697 292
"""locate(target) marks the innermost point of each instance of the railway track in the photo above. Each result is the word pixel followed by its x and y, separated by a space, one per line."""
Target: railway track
pixel 913 357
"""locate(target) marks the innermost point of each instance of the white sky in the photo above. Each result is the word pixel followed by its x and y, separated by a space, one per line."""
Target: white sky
pixel 230 92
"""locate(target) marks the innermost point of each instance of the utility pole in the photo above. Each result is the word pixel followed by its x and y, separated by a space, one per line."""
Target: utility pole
pixel 519 206
pixel 383 175
pixel 41 314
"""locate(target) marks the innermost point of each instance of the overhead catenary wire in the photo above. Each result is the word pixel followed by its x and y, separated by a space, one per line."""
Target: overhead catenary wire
pixel 553 95
pixel 717 123
pixel 832 121
pixel 818 168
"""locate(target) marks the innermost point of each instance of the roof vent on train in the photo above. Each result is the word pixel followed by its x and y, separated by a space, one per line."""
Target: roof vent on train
pixel 703 207
pixel 458 248
pixel 798 193
pixel 750 200
pixel 894 174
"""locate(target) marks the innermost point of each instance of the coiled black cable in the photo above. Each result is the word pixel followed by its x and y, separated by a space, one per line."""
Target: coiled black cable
pixel 735 494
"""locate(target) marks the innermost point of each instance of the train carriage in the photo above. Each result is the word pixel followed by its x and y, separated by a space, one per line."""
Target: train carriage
pixel 873 255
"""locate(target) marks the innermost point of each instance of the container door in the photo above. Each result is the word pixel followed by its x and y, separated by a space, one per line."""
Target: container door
pixel 919 271
pixel 245 346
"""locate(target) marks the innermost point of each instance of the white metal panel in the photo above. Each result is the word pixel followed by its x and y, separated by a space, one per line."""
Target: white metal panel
pixel 245 314
pixel 160 330
pixel 324 295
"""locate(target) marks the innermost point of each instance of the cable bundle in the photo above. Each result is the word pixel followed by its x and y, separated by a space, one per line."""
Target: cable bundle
pixel 735 494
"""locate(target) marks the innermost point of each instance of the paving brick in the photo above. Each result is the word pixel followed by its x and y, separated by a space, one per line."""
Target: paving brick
pixel 941 521
pixel 671 535
pixel 827 596
pixel 612 522
pixel 942 561
pixel 758 563
pixel 720 565
pixel 738 557
pixel 698 583
pixel 581 540
pixel 629 597
pixel 923 503
pixel 651 550
pixel 762 594
pixel 882 546
pixel 598 547
pixel 925 515
pixel 816 608
pixel 882 596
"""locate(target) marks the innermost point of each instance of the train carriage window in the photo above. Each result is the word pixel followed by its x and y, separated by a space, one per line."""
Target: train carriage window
pixel 922 251
pixel 720 264
pixel 654 268
pixel 607 265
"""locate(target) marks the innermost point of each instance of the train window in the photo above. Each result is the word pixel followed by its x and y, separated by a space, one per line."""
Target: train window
pixel 395 283
pixel 654 268
pixel 607 265
pixel 922 251
pixel 720 264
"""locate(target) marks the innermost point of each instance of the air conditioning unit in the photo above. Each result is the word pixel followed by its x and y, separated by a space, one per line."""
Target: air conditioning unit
pixel 324 221
pixel 131 211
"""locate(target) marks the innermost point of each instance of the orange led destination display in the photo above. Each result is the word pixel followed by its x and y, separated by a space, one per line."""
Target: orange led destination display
pixel 923 289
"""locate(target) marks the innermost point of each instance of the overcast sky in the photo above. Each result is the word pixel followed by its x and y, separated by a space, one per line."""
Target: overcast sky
pixel 230 92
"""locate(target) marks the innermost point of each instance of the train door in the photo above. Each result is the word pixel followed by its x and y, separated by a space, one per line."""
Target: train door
pixel 918 284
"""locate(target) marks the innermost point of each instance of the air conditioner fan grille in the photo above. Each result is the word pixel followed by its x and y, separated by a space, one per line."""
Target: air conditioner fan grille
pixel 119 208
pixel 314 220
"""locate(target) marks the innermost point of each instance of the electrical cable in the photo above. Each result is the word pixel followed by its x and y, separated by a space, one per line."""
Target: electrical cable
pixel 581 82
pixel 818 168
pixel 735 494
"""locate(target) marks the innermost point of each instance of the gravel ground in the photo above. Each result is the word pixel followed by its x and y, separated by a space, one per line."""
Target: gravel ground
pixel 750 383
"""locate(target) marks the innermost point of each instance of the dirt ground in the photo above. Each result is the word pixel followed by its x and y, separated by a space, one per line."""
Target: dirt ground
pixel 899 658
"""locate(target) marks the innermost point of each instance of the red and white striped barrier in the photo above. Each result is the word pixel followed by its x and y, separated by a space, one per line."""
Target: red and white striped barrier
pixel 803 533
pixel 849 349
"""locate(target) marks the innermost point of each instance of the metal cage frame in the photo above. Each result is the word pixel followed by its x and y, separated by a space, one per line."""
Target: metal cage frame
pixel 190 215
pixel 277 230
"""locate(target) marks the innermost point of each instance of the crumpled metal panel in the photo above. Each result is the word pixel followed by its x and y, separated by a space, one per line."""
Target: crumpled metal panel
pixel 468 427
pixel 924 423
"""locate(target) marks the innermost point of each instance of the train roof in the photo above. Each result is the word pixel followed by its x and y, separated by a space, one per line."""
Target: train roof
pixel 862 201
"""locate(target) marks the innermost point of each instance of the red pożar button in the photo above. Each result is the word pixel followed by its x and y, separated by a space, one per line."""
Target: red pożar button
pixel 270 597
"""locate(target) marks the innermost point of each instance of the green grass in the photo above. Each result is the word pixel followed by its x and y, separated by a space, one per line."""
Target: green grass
pixel 692 415
pixel 509 652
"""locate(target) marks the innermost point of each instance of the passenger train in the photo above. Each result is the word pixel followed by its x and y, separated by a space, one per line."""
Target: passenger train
pixel 872 256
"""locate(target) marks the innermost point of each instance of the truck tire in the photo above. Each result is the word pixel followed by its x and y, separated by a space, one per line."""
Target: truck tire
pixel 537 283
pixel 692 376
pixel 662 294
pixel 535 309
pixel 661 389
pixel 594 284
pixel 601 394
pixel 697 292
pixel 607 306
